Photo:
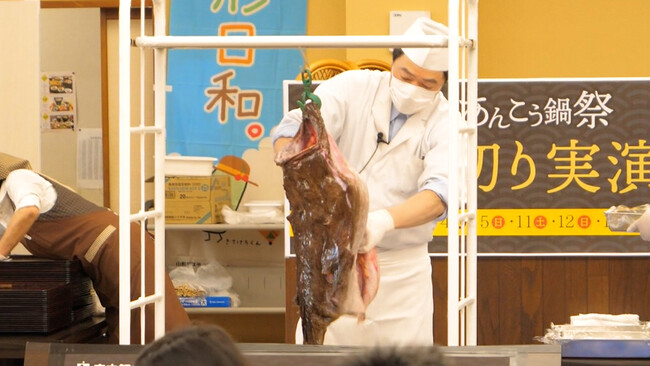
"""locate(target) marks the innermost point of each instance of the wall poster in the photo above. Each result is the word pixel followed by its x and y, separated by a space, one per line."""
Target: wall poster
pixel 223 102
pixel 553 155
pixel 58 101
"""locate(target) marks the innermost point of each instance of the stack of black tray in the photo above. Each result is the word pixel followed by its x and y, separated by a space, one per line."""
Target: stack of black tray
pixel 40 295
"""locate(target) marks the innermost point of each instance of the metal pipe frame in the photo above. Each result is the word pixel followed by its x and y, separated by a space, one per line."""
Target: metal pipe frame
pixel 457 307
pixel 453 202
pixel 124 26
pixel 209 42
pixel 462 205
pixel 472 148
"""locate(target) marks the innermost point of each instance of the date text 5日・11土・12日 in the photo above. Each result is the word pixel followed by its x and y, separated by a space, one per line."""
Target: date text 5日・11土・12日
pixel 539 222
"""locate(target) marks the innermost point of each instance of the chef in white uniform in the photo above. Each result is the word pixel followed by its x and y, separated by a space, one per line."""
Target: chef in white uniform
pixel 392 129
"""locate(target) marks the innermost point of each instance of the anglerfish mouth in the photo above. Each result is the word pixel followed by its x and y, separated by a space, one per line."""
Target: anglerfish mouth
pixel 305 140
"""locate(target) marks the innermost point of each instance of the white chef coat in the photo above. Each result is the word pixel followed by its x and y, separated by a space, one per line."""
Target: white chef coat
pixel 356 106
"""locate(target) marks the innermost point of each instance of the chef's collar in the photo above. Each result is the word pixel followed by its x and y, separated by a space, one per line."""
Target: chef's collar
pixel 394 113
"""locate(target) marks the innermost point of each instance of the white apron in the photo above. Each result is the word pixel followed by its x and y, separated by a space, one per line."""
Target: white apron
pixel 400 314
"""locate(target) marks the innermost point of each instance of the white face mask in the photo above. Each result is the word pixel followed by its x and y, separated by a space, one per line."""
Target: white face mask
pixel 409 98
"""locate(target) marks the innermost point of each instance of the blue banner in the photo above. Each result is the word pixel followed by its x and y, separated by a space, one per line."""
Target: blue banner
pixel 223 101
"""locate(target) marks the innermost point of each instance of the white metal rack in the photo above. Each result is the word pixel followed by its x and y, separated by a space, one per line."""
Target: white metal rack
pixel 463 57
pixel 463 138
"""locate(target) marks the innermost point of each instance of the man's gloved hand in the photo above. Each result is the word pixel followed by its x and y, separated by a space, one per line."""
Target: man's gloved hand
pixel 642 225
pixel 379 223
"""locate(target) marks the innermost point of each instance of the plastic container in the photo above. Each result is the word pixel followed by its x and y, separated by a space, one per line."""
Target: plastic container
pixel 194 166
pixel 619 218
pixel 262 206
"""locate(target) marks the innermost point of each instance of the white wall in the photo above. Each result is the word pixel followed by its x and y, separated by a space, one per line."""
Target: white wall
pixel 112 65
pixel 70 40
pixel 19 83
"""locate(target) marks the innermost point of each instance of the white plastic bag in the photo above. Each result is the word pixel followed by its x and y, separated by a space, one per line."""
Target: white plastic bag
pixel 185 283
pixel 213 277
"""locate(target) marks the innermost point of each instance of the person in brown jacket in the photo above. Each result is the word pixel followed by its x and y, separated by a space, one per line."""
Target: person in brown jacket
pixel 54 222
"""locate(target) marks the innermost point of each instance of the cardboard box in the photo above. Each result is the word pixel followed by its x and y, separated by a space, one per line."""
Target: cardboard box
pixel 195 200
pixel 188 212
pixel 184 188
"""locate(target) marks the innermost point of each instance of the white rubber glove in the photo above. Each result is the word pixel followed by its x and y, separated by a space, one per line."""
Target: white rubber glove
pixel 379 223
pixel 642 225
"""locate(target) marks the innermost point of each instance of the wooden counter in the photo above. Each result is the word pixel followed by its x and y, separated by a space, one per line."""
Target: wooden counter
pixel 259 354
pixel 12 345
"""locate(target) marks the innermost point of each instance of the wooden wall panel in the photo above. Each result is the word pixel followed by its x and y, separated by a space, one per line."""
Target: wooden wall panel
pixel 576 286
pixel 488 300
pixel 439 278
pixel 620 300
pixel 641 288
pixel 292 313
pixel 531 298
pixel 91 3
pixel 553 291
pixel 509 301
pixel 246 328
pixel 598 285
pixel 519 297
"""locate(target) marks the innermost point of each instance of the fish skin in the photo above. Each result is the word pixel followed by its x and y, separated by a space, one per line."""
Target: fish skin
pixel 329 209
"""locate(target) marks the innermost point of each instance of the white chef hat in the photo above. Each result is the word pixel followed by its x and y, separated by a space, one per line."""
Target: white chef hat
pixel 435 58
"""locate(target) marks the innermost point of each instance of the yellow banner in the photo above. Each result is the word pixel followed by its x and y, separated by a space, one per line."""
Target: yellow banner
pixel 540 222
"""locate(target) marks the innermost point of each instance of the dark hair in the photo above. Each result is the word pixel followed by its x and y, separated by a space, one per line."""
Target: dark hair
pixel 397 52
pixel 397 356
pixel 197 345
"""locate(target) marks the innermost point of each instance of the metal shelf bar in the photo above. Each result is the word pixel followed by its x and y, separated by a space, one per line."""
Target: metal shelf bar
pixel 464 331
pixel 210 42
